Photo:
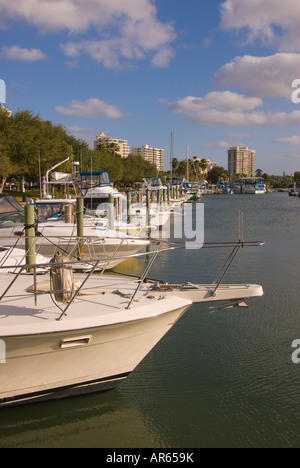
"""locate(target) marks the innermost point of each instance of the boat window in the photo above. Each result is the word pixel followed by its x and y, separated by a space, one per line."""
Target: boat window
pixel 94 180
pixel 12 219
pixel 104 178
pixel 46 211
pixel 95 203
pixel 15 219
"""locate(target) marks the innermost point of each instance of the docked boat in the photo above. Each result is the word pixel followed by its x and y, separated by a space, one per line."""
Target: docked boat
pixel 66 334
pixel 249 186
pixel 225 188
pixel 96 189
pixel 294 192
pixel 98 241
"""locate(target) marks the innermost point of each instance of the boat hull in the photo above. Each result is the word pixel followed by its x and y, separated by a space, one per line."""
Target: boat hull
pixel 60 364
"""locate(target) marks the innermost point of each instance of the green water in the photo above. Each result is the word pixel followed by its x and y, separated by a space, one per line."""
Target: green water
pixel 216 380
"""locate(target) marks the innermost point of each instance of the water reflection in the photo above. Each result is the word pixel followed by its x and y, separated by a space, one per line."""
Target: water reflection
pixel 104 420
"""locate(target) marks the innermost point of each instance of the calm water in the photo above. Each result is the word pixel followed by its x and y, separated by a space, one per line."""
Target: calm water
pixel 216 380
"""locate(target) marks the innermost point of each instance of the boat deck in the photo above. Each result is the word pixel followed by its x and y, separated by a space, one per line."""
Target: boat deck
pixel 102 301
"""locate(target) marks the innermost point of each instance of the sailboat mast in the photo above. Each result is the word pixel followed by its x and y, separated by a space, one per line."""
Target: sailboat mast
pixel 187 163
pixel 171 157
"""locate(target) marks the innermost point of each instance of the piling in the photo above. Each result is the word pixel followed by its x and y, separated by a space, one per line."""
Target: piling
pixel 111 212
pixel 148 210
pixel 129 210
pixel 159 198
pixel 68 214
pixel 79 220
pixel 30 236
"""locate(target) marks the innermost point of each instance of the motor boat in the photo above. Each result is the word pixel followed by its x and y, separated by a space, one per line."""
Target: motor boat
pixel 52 235
pixel 66 334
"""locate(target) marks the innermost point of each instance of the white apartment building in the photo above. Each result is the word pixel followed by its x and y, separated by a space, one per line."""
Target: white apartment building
pixel 153 155
pixel 241 161
pixel 124 149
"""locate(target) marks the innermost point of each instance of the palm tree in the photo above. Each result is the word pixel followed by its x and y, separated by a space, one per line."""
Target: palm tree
pixel 182 167
pixel 113 148
pixel 204 165
pixel 175 165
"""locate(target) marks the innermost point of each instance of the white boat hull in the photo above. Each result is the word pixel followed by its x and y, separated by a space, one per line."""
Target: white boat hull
pixel 59 364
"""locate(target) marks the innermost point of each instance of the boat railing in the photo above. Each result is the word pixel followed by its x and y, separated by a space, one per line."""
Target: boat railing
pixel 160 247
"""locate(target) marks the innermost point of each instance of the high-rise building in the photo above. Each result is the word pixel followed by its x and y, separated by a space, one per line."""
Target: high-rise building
pixel 123 150
pixel 153 155
pixel 241 161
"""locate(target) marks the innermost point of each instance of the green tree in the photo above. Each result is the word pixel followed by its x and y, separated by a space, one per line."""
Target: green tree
pixel 216 173
pixel 31 138
pixel 203 165
pixel 6 166
pixel 182 168
pixel 136 168
pixel 297 177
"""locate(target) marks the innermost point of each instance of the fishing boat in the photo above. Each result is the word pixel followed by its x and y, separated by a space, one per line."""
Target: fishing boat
pixel 66 334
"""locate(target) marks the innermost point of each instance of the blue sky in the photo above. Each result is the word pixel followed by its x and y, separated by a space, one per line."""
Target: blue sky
pixel 216 73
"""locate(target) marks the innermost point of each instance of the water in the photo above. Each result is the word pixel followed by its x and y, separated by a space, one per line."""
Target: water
pixel 216 380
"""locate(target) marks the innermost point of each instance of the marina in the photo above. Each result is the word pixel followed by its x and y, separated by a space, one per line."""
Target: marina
pixel 149 226
pixel 101 340
pixel 185 369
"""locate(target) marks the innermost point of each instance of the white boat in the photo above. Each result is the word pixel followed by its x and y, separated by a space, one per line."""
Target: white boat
pixel 54 210
pixel 98 241
pixel 11 257
pixel 88 333
pixel 96 190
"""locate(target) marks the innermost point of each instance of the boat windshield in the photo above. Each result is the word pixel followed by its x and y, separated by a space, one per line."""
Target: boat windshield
pixel 14 219
pixel 53 210
pixel 96 179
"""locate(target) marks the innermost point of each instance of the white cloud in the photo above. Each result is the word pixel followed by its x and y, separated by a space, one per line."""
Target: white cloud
pixel 91 108
pixel 294 140
pixel 21 54
pixel 270 21
pixel 218 100
pixel 261 76
pixel 231 110
pixel 126 30
pixel 217 144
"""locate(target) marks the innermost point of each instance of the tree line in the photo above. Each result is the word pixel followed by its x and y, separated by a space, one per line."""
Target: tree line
pixel 30 146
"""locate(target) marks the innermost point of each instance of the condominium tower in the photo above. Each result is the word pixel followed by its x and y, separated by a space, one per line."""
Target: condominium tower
pixel 123 150
pixel 153 155
pixel 241 161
